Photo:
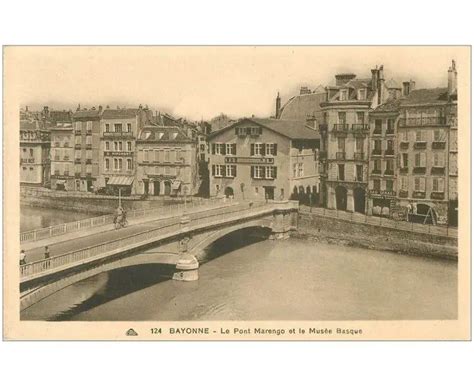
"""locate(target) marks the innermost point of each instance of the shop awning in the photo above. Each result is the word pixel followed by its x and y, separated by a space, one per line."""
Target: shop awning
pixel 120 181
pixel 175 184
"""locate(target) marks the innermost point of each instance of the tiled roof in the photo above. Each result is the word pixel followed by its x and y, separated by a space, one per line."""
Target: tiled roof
pixel 292 129
pixel 301 107
pixel 120 113
pixel 426 96
pixel 60 116
pixel 153 133
pixel 389 106
pixel 28 125
pixel 390 84
pixel 93 114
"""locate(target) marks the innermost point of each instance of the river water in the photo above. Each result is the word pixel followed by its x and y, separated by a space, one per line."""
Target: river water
pixel 256 279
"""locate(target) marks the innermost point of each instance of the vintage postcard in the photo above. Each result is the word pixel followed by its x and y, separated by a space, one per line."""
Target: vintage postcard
pixel 237 193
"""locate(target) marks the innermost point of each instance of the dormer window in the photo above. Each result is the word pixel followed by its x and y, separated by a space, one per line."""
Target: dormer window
pixel 344 94
pixel 362 94
pixel 147 134
pixel 173 135
pixel 159 135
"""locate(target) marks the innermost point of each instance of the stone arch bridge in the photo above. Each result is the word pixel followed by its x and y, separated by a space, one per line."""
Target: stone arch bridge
pixel 178 241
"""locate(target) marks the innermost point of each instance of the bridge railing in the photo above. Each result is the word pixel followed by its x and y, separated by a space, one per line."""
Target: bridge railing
pixel 69 227
pixel 166 226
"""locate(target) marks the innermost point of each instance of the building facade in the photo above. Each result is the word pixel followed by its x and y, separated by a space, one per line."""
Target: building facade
pixel 166 162
pixel 62 157
pixel 35 164
pixel 86 124
pixel 344 139
pixel 119 129
pixel 258 159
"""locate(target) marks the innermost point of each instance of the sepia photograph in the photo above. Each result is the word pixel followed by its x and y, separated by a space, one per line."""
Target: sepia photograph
pixel 214 192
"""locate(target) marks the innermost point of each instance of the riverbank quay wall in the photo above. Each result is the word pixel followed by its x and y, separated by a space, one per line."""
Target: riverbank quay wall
pixel 90 203
pixel 345 232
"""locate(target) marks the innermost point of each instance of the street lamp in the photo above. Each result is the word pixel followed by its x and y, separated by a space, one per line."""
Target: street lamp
pixel 120 197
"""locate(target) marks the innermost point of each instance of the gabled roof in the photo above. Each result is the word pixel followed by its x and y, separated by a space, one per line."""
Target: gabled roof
pixel 92 114
pixel 28 125
pixel 353 86
pixel 120 113
pixel 301 107
pixel 292 129
pixel 426 96
pixel 156 133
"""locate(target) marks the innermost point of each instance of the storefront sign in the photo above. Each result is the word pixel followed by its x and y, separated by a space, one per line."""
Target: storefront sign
pixel 249 160
pixel 118 153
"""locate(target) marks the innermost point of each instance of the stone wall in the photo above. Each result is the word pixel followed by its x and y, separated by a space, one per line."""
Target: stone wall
pixel 320 228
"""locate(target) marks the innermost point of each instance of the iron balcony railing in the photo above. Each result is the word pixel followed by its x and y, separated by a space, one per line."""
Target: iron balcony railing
pixel 423 121
pixel 404 144
pixel 438 145
pixel 420 145
pixel 438 195
pixel 360 127
pixel 340 127
pixel 419 194
pixel 389 152
pixel 438 170
pixel 340 155
pixel 358 156
pixel 377 152
pixel 403 194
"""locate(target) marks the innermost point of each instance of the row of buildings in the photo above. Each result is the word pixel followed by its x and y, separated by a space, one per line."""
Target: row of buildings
pixel 127 151
pixel 366 145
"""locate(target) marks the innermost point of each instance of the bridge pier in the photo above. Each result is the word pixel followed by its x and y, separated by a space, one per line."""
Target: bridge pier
pixel 187 268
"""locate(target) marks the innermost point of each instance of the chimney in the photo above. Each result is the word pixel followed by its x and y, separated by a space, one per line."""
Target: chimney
pixel 277 106
pixel 452 78
pixel 46 111
pixel 408 86
pixel 78 107
pixel 373 84
pixel 344 78
pixel 100 109
pixel 26 108
pixel 305 91
pixel 380 86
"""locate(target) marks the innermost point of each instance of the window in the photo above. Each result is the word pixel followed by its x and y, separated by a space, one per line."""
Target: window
pixel 362 94
pixel 145 155
pixel 107 164
pixel 340 170
pixel 404 135
pixel 389 185
pixel 129 127
pixel 419 183
pixel 438 159
pixel 295 170
pixel 231 170
pixel 242 131
pixel 360 117
pixel 89 125
pixel 343 94
pixel 157 156
pixel 255 131
pixel 89 140
pixel 404 160
pixel 359 173
pixel 378 145
pixel 300 170
pixel 341 144
pixel 256 190
pixel 89 154
pixel 377 166
pixel 419 136
pixel 390 146
pixel 229 149
pixel 403 183
pixel 129 146
pixel 258 149
pixel 31 152
pixel 377 184
pixel 167 170
pixel 78 125
pixel 161 154
pixel 378 126
pixel 257 172
pixel 270 172
pixel 116 165
pixel 120 145
pixel 341 117
pixel 107 128
pixel 107 145
pixel 115 145
pixel 167 156
pixel 89 168
pixel 389 166
pixel 129 164
pixel 390 125
pixel 438 184
pixel 120 163
pixel 118 127
pixel 359 145
pixel 420 160
pixel 218 148
pixel 271 149
pixel 218 170
pixel 439 135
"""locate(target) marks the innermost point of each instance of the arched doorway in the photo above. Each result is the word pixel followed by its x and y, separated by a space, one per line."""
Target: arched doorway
pixel 341 198
pixel 229 192
pixel 167 185
pixel 359 200
pixel 156 187
pixel 425 214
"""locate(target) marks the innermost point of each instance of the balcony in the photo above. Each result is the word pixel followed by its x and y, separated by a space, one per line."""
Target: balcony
pixel 419 170
pixel 376 172
pixel 77 160
pixel 360 127
pixel 338 127
pixel 419 194
pixel 438 195
pixel 404 144
pixel 377 131
pixel 77 146
pixel 89 146
pixel 27 160
pixel 123 134
pixel 404 170
pixel 420 145
pixel 389 152
pixel 66 158
pixel 390 132
pixel 438 170
pixel 323 127
pixel 77 132
pixel 403 194
pixel 438 145
pixel 388 172
pixel 340 155
pixel 376 152
pixel 77 174
pixel 66 145
pixel 423 121
pixel 89 161
pixel 358 156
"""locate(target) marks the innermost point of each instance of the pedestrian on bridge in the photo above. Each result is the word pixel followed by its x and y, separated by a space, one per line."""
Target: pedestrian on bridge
pixel 46 257
pixel 22 257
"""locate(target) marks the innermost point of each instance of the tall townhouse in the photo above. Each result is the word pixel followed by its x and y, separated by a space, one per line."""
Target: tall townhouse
pixel 35 144
pixel 453 146
pixel 344 138
pixel 62 156
pixel 86 124
pixel 167 161
pixel 119 129
pixel 257 159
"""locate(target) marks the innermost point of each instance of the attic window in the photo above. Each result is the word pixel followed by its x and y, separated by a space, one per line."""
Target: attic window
pixel 362 94
pixel 343 94
pixel 147 134
pixel 159 135
pixel 174 134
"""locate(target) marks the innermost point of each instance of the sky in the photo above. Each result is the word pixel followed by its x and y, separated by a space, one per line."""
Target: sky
pixel 202 82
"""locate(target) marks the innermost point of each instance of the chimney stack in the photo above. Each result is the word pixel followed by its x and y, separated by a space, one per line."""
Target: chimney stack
pixel 277 106
pixel 373 84
pixel 452 78
pixel 408 87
